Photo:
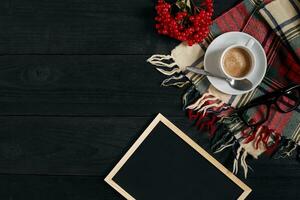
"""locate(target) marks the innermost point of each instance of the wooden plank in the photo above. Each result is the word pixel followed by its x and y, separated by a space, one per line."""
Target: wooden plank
pixel 83 27
pixel 51 144
pixel 37 187
pixel 85 85
pixel 80 27
pixel 274 179
pixel 92 146
pixel 20 187
pixel 69 145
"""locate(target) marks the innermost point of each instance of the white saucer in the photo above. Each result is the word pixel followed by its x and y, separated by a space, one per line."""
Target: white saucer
pixel 213 53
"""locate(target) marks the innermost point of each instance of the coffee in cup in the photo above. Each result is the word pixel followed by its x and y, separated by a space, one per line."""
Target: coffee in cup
pixel 237 61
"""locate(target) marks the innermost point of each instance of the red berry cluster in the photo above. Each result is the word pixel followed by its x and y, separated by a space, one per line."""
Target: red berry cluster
pixel 192 27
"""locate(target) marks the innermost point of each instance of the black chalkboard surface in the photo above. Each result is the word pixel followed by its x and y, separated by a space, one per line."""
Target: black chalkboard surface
pixel 164 163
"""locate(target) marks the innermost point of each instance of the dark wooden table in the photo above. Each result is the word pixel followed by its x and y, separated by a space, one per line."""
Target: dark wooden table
pixel 75 91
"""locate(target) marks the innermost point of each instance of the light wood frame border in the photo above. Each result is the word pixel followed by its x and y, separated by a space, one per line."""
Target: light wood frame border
pixel 188 140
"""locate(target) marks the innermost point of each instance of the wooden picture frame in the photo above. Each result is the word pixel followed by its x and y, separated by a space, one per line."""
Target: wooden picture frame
pixel 160 118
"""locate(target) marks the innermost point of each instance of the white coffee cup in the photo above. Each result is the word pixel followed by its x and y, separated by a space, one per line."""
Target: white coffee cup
pixel 247 47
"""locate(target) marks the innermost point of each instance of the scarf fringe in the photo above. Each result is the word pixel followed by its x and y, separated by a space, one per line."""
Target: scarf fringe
pixel 217 141
pixel 201 101
pixel 235 167
pixel 262 136
pixel 207 110
pixel 204 121
pixel 208 102
pixel 223 141
pixel 169 73
pixel 179 81
pixel 230 143
pixel 241 156
pixel 286 150
pixel 244 163
pixel 162 61
pixel 227 131
pixel 190 95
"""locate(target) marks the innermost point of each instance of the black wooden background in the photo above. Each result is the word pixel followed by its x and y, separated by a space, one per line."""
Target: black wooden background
pixel 75 91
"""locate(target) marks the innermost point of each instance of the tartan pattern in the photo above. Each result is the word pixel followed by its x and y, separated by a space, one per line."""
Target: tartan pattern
pixel 209 108
pixel 283 67
pixel 284 18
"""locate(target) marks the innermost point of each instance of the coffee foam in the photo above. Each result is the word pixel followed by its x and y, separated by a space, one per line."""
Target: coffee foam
pixel 237 62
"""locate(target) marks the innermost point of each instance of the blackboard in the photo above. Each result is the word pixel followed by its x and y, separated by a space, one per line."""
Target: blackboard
pixel 164 163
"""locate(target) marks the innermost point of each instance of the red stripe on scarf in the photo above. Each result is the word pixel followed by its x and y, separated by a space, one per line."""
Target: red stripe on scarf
pixel 204 121
pixel 294 72
pixel 230 22
pixel 259 33
pixel 263 138
pixel 284 119
pixel 221 22
pixel 222 27
pixel 274 119
pixel 243 12
pixel 239 19
pixel 298 52
pixel 269 45
pixel 289 69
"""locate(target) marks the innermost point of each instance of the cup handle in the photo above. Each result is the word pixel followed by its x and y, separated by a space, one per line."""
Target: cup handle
pixel 250 43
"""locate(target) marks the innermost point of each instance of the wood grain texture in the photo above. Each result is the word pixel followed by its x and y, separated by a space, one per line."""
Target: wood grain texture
pixel 84 84
pixel 82 27
pixel 23 187
pixel 69 145
pixel 91 146
pixel 75 91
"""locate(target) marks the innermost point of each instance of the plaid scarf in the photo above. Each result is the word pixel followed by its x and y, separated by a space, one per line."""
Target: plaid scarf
pixel 209 108
pixel 284 18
